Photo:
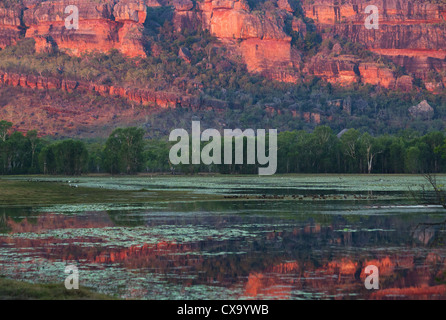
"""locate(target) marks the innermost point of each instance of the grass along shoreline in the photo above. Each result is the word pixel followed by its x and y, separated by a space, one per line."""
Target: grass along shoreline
pixel 21 290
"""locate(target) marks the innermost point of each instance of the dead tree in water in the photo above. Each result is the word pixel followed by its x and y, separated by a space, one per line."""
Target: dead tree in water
pixel 428 232
pixel 440 194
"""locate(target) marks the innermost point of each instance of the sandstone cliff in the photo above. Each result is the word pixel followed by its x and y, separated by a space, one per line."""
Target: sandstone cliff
pixel 103 26
pixel 11 28
pixel 259 37
pixel 411 33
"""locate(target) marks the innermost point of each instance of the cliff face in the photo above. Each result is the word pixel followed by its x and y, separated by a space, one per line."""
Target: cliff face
pixel 103 26
pixel 259 38
pixel 63 117
pixel 340 70
pixel 11 28
pixel 412 34
pixel 142 96
pixel 114 24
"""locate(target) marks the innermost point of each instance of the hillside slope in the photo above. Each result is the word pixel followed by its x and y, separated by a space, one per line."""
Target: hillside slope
pixel 221 56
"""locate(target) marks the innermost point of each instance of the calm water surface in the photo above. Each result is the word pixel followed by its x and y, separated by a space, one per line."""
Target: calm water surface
pixel 241 248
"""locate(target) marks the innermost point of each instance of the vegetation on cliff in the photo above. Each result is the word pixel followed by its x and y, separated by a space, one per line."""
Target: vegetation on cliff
pixel 189 62
pixel 244 99
pixel 126 151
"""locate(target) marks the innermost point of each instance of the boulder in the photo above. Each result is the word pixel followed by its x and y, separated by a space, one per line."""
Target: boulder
pixel 422 110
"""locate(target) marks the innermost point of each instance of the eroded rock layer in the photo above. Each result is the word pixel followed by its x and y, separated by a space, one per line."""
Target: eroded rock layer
pixel 102 26
pixel 411 33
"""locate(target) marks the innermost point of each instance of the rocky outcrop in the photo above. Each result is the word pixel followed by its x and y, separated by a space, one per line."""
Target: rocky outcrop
pixel 159 99
pixel 11 29
pixel 434 86
pixel 259 38
pixel 341 70
pixel 119 24
pixel 288 5
pixel 411 33
pixel 103 25
pixel 150 97
pixel 65 117
pixel 130 17
pixel 230 19
pixel 269 57
pixel 404 83
pixel 422 110
pixel 185 54
pixel 397 12
pixel 373 74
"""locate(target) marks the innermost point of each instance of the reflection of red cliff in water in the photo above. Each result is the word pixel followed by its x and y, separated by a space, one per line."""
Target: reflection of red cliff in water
pixel 342 267
pixel 423 293
pixel 308 229
pixel 261 284
pixel 265 284
pixel 162 255
pixel 337 277
pixel 285 267
pixel 385 266
pixel 144 255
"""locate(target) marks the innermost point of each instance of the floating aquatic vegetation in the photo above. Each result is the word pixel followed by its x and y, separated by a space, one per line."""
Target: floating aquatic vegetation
pixel 257 243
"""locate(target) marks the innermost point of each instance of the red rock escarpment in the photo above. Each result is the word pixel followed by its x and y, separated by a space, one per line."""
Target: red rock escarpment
pixel 347 69
pixel 11 28
pixel 65 117
pixel 335 70
pixel 103 26
pixel 68 119
pixel 412 34
pixel 143 96
pixel 260 39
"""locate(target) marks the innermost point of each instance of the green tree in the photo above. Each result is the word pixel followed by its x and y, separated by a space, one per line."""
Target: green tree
pixel 47 160
pixel 33 141
pixel 68 157
pixel 4 128
pixel 433 159
pixel 350 143
pixel 16 153
pixel 324 149
pixel 397 155
pixel 124 149
pixel 287 152
pixel 157 155
pixel 412 160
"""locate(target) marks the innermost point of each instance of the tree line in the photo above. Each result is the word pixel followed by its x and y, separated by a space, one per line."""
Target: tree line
pixel 127 151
